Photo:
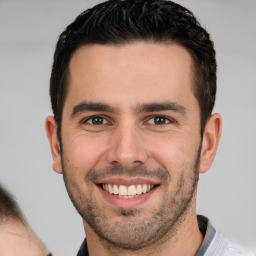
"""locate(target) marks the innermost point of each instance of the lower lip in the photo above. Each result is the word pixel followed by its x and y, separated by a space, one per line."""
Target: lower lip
pixel 127 202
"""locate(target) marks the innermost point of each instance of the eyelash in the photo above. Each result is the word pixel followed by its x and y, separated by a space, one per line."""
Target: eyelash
pixel 165 120
pixel 86 120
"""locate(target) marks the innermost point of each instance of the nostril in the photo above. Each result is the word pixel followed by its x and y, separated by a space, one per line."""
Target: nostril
pixel 126 165
pixel 137 162
pixel 116 164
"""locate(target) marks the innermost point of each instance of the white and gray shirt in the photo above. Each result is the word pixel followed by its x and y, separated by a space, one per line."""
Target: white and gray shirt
pixel 216 244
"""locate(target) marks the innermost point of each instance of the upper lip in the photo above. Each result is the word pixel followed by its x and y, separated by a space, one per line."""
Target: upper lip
pixel 127 181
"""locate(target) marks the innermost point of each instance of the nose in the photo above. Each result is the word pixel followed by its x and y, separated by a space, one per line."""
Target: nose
pixel 127 148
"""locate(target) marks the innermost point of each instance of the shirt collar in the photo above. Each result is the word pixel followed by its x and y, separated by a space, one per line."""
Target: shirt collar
pixel 208 231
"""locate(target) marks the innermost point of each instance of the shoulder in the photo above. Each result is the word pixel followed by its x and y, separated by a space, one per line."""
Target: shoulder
pixel 221 245
pixel 238 250
pixel 217 243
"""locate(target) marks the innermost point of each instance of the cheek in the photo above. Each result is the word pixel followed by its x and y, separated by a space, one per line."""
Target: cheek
pixel 174 153
pixel 83 152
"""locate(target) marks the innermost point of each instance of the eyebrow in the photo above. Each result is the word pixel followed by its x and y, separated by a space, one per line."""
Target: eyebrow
pixel 91 106
pixel 163 106
pixel 143 108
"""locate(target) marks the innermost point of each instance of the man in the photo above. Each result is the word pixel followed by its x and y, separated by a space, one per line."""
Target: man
pixel 16 238
pixel 132 89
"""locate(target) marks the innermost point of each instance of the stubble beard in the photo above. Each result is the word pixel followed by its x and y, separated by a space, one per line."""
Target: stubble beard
pixel 135 231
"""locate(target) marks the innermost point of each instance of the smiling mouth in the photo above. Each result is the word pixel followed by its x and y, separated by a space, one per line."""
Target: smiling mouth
pixel 131 191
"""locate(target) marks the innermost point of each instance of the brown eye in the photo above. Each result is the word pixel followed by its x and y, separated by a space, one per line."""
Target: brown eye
pixel 160 120
pixel 96 120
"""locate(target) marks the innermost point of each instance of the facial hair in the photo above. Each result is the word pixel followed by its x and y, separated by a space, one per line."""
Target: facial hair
pixel 134 228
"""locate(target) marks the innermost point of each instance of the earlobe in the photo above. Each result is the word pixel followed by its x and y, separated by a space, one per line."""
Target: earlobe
pixel 211 137
pixel 51 131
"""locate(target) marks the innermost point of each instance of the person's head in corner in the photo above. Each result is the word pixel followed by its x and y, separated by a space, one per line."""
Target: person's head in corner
pixel 16 238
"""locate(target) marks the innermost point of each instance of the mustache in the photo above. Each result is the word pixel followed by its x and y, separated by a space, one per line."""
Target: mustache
pixel 134 171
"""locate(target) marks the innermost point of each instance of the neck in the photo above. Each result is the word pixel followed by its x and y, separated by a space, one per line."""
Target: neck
pixel 184 241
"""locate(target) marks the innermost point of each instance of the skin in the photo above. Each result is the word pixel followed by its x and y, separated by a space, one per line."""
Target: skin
pixel 18 240
pixel 127 143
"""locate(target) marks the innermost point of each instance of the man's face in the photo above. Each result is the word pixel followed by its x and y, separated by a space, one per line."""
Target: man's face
pixel 131 140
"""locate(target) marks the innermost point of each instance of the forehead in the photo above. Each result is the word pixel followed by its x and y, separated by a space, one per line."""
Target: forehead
pixel 130 69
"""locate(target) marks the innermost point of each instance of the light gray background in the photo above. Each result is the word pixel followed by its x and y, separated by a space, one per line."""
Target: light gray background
pixel 28 33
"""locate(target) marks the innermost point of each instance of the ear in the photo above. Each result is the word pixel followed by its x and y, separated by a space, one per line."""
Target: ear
pixel 210 142
pixel 51 131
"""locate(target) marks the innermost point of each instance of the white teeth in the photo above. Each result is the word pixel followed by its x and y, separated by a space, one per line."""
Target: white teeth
pixel 139 190
pixel 127 191
pixel 125 196
pixel 105 187
pixel 122 190
pixel 131 191
pixel 110 189
pixel 115 190
pixel 144 188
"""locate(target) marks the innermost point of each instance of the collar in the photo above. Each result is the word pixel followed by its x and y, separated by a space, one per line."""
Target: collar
pixel 208 231
pixel 83 251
